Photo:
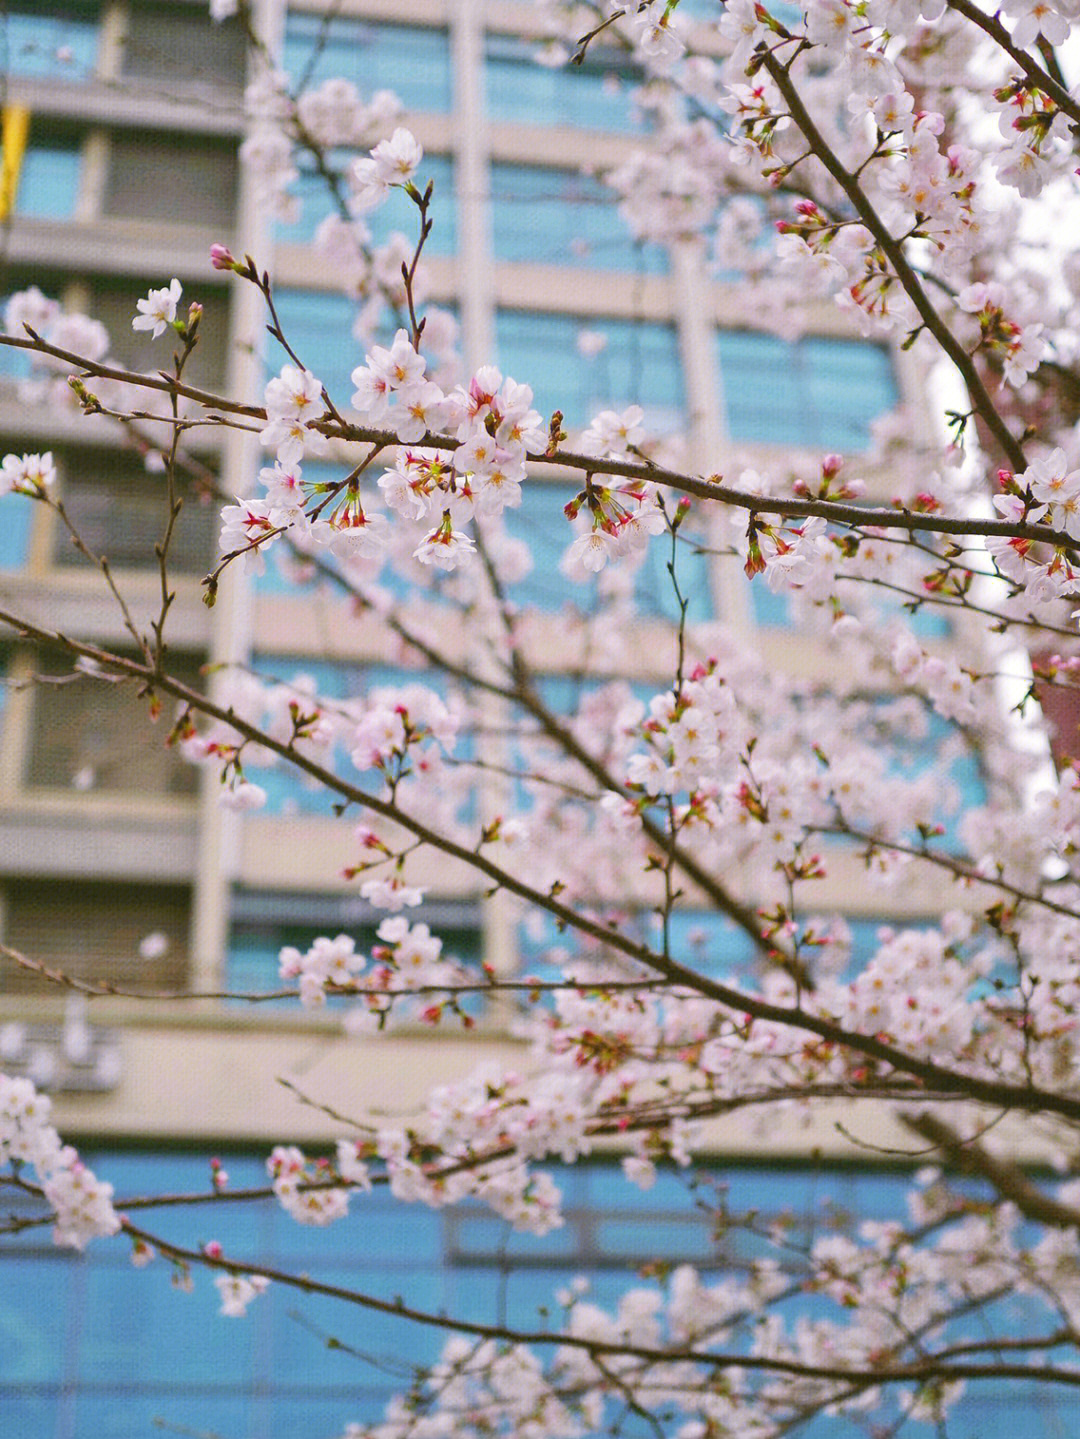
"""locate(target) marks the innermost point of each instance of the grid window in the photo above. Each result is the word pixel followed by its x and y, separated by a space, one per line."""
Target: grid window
pixel 57 40
pixel 288 790
pixel 93 931
pixel 120 509
pixel 48 182
pixel 397 213
pixel 318 325
pixel 113 303
pixel 274 1375
pixel 15 530
pixel 772 610
pixel 263 924
pixel 592 96
pixel 412 61
pixel 819 392
pixel 582 365
pixel 91 735
pixel 561 217
pixel 169 178
pixel 164 41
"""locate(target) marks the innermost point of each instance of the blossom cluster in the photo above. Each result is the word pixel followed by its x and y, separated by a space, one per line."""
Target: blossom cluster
pixel 81 1204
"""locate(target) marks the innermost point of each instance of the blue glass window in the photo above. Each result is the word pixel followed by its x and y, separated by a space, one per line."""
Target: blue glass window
pixel 15 523
pixel 561 217
pixel 397 213
pixel 48 184
pixel 772 610
pixel 595 95
pixel 583 365
pixel 411 60
pixel 49 40
pixel 287 789
pixel 705 11
pixel 819 392
pixel 318 325
pixel 542 525
pixel 264 923
pixel 919 756
pixel 93 1347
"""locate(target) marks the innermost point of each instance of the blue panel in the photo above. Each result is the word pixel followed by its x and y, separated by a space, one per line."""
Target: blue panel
pixel 404 1237
pixel 411 61
pixel 361 1404
pixel 16 518
pixel 772 610
pixel 287 788
pixel 35 1312
pixel 49 181
pixel 318 325
pixel 55 41
pixel 818 392
pixel 118 1355
pixel 596 95
pixel 397 213
pixel 541 524
pixel 708 942
pixel 682 1241
pixel 915 757
pixel 128 1413
pixel 143 1328
pixel 637 364
pixel 561 217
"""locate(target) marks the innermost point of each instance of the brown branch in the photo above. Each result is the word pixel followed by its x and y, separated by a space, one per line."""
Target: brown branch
pixel 971 1157
pixel 991 26
pixel 1026 1098
pixel 712 488
pixel 893 250
pixel 917 1371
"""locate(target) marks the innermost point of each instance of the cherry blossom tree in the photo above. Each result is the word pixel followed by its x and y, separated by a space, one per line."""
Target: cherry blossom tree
pixel 914 162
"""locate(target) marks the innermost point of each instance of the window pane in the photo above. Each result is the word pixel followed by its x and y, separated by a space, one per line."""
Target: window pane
pixel 50 39
pixel 318 326
pixel 92 930
pixel 560 217
pixel 49 179
pixel 89 734
pixel 113 303
pixel 412 61
pixel 595 95
pixel 541 524
pixel 120 510
pixel 165 177
pixel 264 924
pixel 583 365
pixel 398 213
pixel 166 41
pixel 820 391
pixel 15 532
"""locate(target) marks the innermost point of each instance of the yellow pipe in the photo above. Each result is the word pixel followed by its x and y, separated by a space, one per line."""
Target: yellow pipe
pixel 13 137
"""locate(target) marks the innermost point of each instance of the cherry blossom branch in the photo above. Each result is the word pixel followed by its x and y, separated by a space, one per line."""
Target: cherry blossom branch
pixel 991 26
pixel 971 1157
pixel 712 488
pixel 893 250
pixel 966 873
pixel 1028 1098
pixel 916 1371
